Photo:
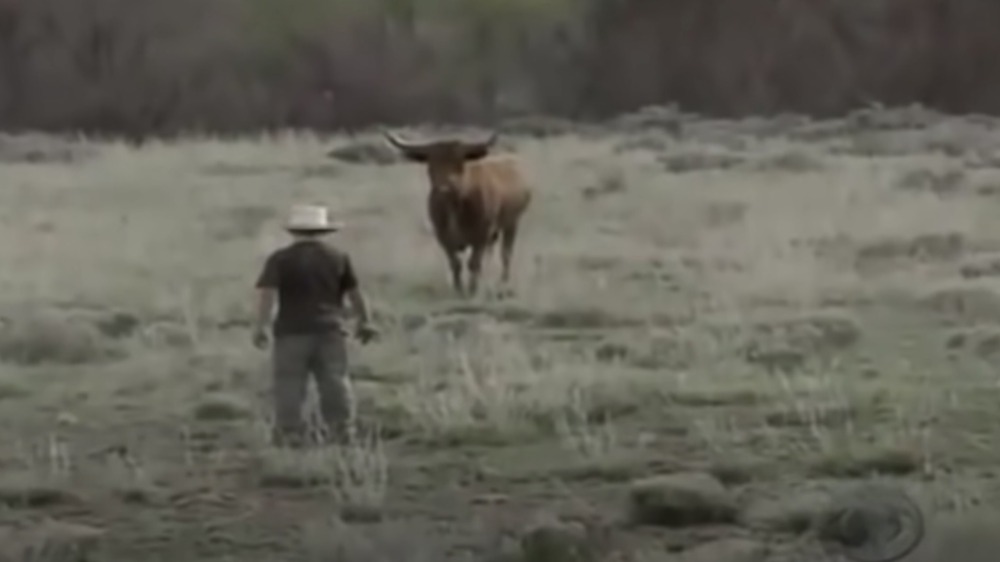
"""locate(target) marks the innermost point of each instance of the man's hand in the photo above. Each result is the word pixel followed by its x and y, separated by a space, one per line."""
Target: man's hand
pixel 366 332
pixel 260 337
pixel 266 299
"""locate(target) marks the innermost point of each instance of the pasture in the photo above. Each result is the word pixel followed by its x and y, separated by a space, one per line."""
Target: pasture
pixel 746 313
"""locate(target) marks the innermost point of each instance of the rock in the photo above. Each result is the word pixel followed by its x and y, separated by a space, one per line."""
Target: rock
pixel 559 541
pixel 681 499
pixel 872 522
pixel 795 514
pixel 490 499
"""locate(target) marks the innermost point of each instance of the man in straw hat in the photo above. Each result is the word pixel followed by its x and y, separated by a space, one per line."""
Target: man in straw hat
pixel 308 280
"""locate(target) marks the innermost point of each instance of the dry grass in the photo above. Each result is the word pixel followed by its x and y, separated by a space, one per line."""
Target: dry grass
pixel 788 313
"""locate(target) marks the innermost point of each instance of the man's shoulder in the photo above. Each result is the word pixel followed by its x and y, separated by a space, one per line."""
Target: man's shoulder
pixel 335 251
pixel 277 254
pixel 306 252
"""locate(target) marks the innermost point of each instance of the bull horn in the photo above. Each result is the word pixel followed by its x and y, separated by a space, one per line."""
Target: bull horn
pixel 487 143
pixel 400 143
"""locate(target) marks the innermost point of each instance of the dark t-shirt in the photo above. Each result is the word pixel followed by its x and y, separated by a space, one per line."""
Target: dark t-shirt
pixel 311 279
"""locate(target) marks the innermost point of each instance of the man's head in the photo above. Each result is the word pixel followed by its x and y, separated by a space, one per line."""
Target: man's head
pixel 445 159
pixel 307 234
pixel 310 221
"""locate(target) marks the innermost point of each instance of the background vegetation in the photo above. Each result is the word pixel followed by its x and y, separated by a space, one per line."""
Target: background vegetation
pixel 138 66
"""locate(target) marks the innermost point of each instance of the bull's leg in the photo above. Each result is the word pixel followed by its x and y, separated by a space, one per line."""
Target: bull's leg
pixel 488 251
pixel 507 251
pixel 455 265
pixel 475 267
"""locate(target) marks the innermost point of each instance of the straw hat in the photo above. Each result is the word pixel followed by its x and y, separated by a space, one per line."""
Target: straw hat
pixel 310 218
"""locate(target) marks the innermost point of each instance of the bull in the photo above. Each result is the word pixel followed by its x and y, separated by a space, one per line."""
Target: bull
pixel 473 202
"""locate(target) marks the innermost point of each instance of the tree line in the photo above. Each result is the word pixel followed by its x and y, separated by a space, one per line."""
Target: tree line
pixel 151 67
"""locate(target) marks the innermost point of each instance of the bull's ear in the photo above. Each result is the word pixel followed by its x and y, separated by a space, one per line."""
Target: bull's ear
pixel 476 152
pixel 415 155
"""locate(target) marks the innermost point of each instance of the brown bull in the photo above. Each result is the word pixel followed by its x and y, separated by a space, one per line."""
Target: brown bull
pixel 473 202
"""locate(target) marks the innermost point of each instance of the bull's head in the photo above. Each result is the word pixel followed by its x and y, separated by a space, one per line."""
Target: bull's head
pixel 445 159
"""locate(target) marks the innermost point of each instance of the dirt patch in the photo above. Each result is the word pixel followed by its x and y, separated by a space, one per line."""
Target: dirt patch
pixel 13 388
pixel 49 540
pixel 815 416
pixel 863 462
pixel 719 214
pixel 32 488
pixel 988 189
pixel 964 304
pixel 976 268
pixel 609 182
pixel 792 161
pixel 43 149
pixel 888 253
pixel 837 248
pixel 980 341
pixel 938 182
pixel 658 352
pixel 786 344
pixel 714 398
pixel 582 318
pixel 222 407
pixel 698 161
pixel 52 337
pixel 774 358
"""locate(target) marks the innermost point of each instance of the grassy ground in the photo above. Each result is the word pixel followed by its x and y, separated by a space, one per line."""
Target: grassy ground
pixel 764 310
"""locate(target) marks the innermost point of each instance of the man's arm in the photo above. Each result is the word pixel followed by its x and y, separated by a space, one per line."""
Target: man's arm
pixel 267 297
pixel 355 296
pixel 360 305
pixel 267 294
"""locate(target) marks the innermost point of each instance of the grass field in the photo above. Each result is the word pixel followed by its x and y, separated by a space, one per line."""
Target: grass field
pixel 732 318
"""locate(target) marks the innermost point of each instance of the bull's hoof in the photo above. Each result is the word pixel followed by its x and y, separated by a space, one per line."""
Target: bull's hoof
pixel 504 293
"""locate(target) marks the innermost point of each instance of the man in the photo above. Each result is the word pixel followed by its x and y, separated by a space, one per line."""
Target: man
pixel 308 280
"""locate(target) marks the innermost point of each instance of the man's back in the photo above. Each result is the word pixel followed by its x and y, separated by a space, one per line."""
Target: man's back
pixel 311 279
